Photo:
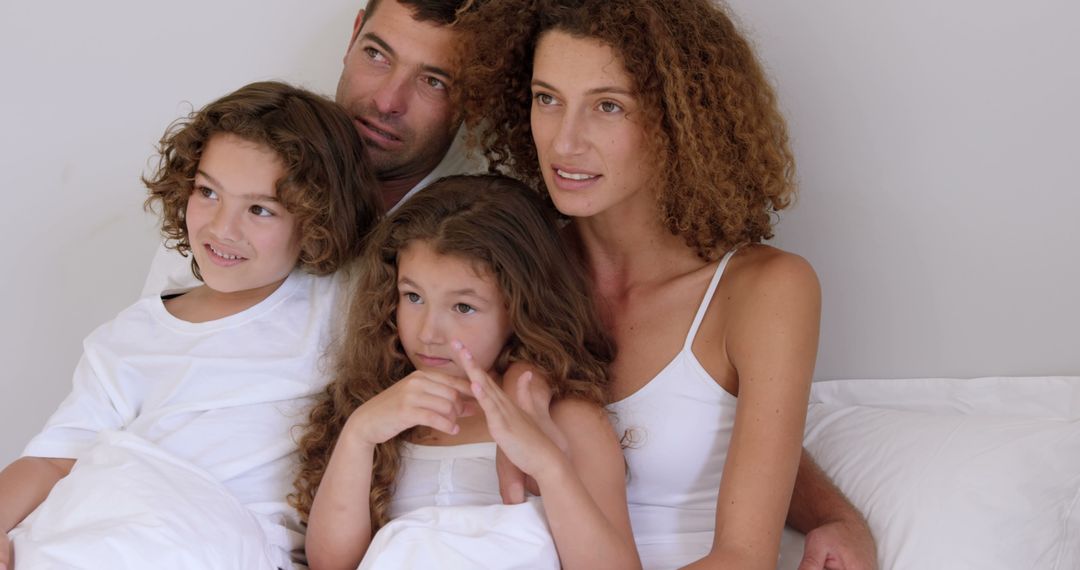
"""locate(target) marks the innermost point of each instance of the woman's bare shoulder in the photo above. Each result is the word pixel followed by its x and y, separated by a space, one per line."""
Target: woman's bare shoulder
pixel 763 273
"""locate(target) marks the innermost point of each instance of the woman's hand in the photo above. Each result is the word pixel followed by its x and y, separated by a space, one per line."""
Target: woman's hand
pixel 423 398
pixel 532 447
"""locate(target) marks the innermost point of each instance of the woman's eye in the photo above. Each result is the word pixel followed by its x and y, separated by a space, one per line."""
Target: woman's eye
pixel 544 99
pixel 610 107
pixel 411 297
pixel 464 309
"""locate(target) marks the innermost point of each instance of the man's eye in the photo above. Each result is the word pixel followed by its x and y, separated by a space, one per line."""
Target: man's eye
pixel 374 54
pixel 435 83
pixel 464 308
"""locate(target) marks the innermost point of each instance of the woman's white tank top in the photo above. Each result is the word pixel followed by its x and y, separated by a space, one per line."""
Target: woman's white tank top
pixel 676 429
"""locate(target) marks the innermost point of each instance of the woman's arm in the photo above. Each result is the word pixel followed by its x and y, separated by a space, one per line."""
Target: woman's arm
pixel 23 486
pixel 585 493
pixel 770 338
pixel 339 526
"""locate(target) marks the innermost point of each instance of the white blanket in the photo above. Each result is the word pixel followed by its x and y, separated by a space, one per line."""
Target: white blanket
pixel 504 537
pixel 127 504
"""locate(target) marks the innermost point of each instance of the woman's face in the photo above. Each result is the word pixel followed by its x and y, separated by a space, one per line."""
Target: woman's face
pixel 586 124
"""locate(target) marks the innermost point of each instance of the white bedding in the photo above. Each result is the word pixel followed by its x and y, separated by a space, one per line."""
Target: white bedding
pixel 129 505
pixel 508 537
pixel 956 474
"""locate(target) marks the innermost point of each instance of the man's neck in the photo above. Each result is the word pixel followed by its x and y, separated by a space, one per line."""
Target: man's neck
pixel 394 190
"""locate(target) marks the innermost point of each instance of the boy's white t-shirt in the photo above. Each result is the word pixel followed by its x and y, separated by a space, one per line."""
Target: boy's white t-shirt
pixel 224 395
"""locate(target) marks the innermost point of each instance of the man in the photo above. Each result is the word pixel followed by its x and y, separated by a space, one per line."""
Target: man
pixel 399 71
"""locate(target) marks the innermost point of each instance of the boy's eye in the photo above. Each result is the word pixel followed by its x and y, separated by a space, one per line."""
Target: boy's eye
pixel 260 211
pixel 464 309
pixel 411 297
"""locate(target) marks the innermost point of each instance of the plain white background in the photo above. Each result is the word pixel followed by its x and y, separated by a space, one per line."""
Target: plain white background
pixel 936 144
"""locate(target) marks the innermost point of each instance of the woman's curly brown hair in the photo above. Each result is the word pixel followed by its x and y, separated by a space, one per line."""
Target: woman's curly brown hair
pixel 504 227
pixel 327 184
pixel 720 142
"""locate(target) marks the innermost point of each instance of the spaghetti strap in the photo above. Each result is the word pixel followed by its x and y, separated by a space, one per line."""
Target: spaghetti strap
pixel 708 297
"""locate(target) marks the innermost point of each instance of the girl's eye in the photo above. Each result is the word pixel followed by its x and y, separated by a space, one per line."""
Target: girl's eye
pixel 544 99
pixel 260 211
pixel 464 309
pixel 610 107
pixel 411 297
pixel 206 192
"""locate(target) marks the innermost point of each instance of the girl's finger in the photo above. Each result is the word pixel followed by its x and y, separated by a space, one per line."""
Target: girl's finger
pixel 459 385
pixel 435 420
pixel 475 373
pixel 524 395
pixel 454 396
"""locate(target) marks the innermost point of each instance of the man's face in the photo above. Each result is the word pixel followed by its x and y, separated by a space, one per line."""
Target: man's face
pixel 395 86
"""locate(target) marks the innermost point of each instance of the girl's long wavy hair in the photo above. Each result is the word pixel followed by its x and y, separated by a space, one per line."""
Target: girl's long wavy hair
pixel 721 150
pixel 327 185
pixel 503 227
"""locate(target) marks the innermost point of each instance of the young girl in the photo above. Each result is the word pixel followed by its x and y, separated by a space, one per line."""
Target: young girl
pixel 173 449
pixel 463 285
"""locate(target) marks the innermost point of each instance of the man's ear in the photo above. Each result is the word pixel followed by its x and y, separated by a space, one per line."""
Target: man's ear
pixel 355 30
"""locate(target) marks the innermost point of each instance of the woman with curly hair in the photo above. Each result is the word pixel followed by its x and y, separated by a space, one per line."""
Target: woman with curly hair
pixel 651 126
pixel 463 285
pixel 178 426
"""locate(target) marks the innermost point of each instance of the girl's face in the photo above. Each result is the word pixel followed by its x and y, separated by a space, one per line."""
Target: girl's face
pixel 442 298
pixel 243 239
pixel 586 127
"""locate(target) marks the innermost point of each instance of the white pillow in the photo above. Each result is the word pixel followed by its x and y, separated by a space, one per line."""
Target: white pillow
pixel 1046 396
pixel 956 491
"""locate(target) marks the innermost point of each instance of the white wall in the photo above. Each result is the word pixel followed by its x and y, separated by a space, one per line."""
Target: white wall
pixel 938 157
pixel 936 147
pixel 87 89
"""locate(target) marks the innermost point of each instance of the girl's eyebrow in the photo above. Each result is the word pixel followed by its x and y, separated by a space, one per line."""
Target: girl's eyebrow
pixel 254 197
pixel 466 292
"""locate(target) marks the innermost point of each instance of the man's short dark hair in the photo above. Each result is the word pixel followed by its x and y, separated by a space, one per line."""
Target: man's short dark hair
pixel 441 12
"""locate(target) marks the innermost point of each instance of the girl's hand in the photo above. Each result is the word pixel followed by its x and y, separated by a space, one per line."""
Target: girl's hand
pixel 423 398
pixel 7 552
pixel 512 481
pixel 515 432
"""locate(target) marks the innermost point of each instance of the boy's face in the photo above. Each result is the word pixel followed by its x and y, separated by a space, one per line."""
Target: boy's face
pixel 242 238
pixel 395 86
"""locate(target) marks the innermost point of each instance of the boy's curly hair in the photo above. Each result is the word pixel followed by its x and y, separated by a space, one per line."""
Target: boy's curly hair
pixel 720 143
pixel 327 184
